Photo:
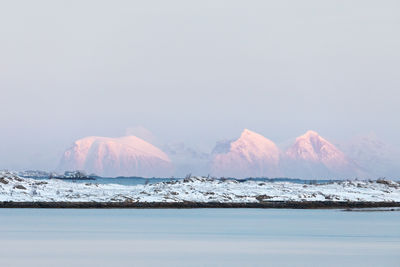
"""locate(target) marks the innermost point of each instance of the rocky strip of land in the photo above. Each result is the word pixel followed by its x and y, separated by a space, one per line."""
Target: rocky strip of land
pixel 195 205
pixel 198 192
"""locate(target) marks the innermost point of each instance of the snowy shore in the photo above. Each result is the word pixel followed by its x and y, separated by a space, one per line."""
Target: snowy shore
pixel 196 190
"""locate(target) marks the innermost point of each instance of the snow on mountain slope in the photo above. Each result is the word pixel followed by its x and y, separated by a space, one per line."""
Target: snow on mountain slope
pixel 17 189
pixel 311 156
pixel 252 155
pixel 312 147
pixel 110 157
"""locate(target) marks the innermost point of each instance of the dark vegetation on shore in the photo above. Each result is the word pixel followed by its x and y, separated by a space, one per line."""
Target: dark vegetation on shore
pixel 195 205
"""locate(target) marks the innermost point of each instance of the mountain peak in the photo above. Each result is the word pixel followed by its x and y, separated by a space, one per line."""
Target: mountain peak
pixel 250 136
pixel 251 155
pixel 312 147
pixel 247 132
pixel 123 156
pixel 311 154
pixel 310 134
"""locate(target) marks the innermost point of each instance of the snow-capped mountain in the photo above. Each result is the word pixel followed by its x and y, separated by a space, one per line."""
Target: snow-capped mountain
pixel 309 156
pixel 312 156
pixel 110 157
pixel 252 155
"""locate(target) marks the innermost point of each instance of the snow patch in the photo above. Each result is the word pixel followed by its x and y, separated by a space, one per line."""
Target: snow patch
pixel 194 189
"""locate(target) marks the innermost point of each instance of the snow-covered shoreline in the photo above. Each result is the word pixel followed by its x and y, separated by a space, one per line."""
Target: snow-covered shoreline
pixel 196 189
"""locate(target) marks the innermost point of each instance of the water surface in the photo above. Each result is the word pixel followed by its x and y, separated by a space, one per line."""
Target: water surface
pixel 198 237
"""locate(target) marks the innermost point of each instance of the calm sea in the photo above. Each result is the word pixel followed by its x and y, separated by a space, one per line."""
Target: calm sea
pixel 198 237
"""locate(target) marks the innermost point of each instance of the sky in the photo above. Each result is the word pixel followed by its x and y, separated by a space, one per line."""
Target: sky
pixel 194 72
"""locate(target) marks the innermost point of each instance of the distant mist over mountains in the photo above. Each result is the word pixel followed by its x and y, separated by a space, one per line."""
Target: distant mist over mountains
pixel 379 158
pixel 309 156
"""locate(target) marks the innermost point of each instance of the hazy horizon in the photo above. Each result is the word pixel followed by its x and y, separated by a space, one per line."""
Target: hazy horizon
pixel 195 73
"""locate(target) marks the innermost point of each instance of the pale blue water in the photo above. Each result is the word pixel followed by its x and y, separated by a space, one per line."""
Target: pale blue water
pixel 198 237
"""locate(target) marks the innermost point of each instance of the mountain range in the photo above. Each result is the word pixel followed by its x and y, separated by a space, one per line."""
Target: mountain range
pixel 309 156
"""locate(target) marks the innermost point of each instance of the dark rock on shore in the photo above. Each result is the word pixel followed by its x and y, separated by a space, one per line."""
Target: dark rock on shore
pixel 194 205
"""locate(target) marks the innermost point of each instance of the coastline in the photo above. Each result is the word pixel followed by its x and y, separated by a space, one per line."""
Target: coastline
pixel 200 205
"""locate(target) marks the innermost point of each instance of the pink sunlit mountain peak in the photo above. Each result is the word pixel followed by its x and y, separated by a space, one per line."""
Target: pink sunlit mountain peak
pixel 123 156
pixel 313 156
pixel 250 155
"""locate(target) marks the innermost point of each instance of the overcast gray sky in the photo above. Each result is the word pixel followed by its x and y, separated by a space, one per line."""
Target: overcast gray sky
pixel 194 71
